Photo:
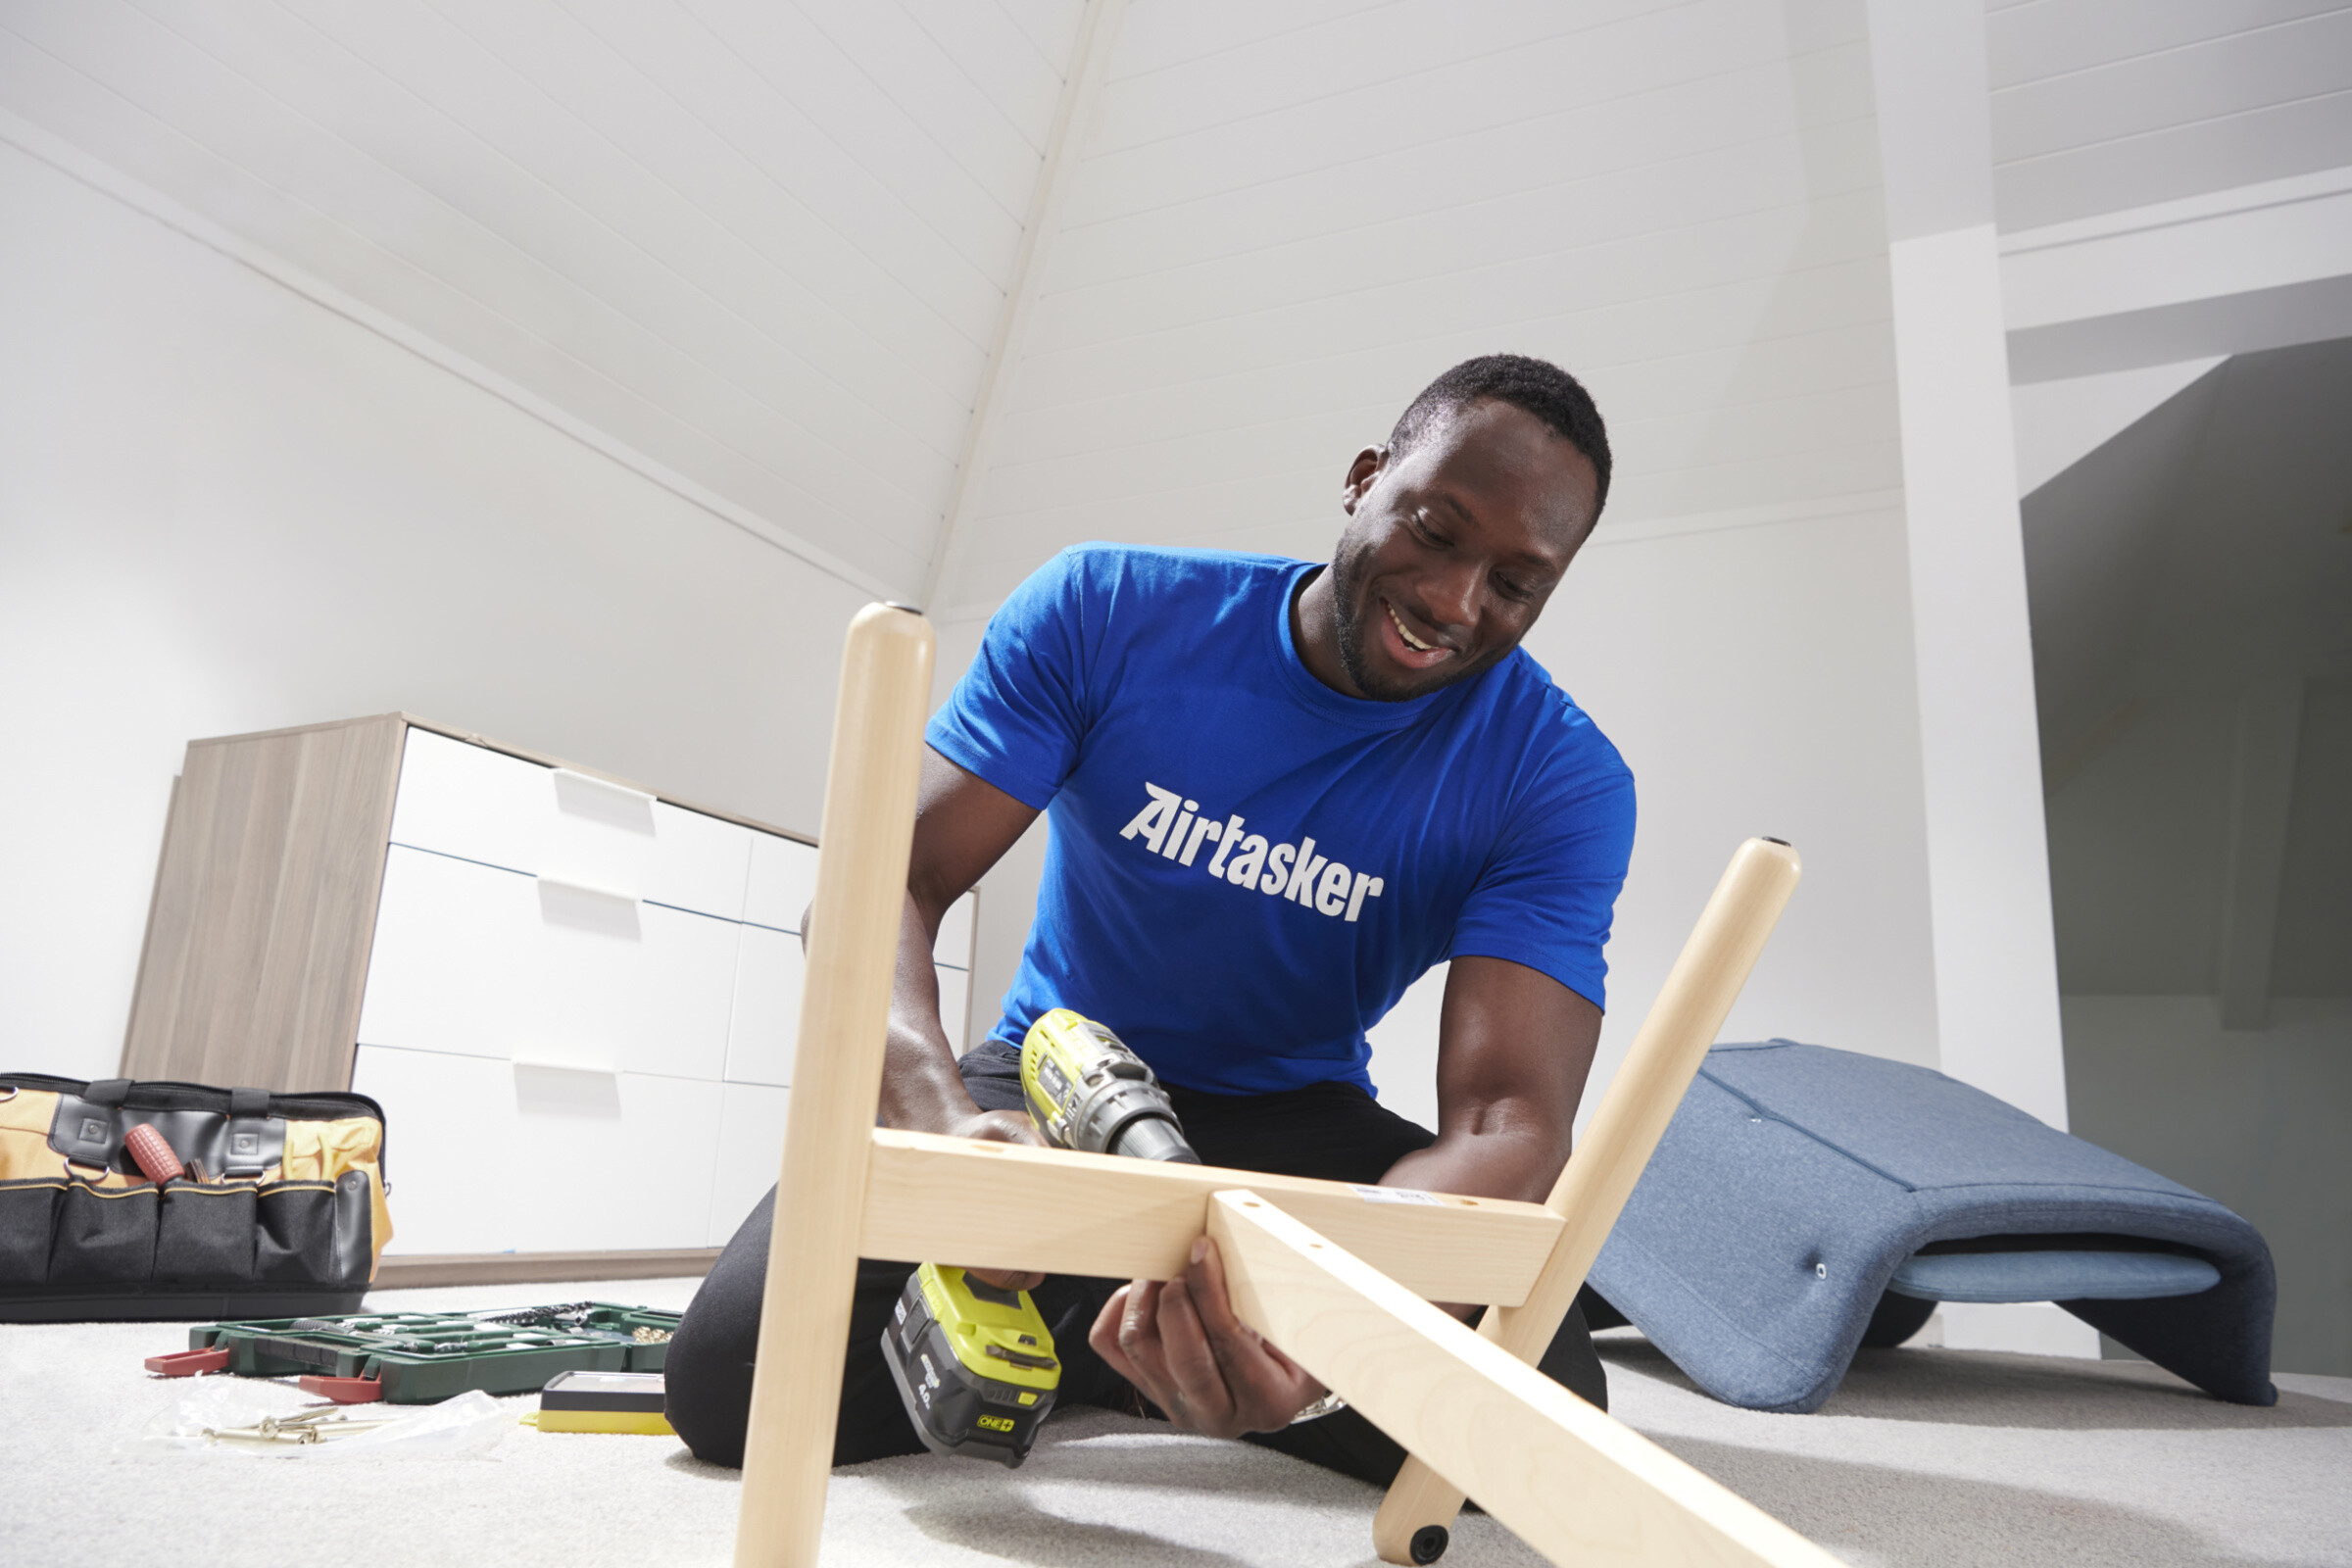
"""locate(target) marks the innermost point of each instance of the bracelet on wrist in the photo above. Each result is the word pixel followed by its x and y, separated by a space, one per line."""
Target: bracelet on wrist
pixel 1329 1404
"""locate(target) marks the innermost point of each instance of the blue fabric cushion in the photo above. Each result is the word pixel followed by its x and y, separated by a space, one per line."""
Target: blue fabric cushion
pixel 1795 1180
pixel 2051 1276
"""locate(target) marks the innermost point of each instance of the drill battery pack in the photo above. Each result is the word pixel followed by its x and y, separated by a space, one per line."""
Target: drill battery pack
pixel 975 1364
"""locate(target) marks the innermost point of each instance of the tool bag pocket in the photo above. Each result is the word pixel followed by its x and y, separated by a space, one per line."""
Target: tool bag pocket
pixel 105 1235
pixel 205 1231
pixel 269 1205
pixel 27 1223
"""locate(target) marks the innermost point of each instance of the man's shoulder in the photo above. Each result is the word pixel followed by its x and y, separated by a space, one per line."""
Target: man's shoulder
pixel 1150 571
pixel 1557 733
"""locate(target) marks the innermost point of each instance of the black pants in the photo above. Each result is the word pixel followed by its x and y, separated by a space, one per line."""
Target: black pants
pixel 1333 1131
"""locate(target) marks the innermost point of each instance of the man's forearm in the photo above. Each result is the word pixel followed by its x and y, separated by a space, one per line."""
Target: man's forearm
pixel 1505 1159
pixel 1503 1156
pixel 921 1088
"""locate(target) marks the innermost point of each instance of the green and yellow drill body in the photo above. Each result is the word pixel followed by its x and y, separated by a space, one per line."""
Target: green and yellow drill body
pixel 975 1364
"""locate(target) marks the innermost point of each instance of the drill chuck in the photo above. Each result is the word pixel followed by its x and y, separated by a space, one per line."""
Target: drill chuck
pixel 1153 1138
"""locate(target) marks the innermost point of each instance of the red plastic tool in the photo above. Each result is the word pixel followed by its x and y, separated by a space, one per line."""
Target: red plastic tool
pixel 343 1390
pixel 153 1155
pixel 188 1363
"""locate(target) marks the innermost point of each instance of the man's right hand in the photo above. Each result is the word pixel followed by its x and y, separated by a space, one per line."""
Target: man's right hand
pixel 1000 1127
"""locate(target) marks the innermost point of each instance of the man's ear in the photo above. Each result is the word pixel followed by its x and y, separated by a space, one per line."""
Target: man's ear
pixel 1362 473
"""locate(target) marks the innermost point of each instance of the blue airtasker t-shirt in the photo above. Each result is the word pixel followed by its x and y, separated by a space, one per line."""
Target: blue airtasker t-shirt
pixel 1246 868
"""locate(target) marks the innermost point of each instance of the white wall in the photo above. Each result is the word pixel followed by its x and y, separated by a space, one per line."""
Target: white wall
pixel 2099 105
pixel 224 507
pixel 2189 574
pixel 2254 1118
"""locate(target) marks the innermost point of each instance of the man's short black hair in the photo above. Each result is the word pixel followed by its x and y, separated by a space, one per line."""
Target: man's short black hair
pixel 1536 387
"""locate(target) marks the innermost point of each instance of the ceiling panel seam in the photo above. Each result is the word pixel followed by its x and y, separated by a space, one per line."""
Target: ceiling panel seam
pixel 1097 36
pixel 606 300
pixel 78 164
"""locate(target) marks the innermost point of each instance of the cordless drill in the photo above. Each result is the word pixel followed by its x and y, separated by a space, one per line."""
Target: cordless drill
pixel 976 1364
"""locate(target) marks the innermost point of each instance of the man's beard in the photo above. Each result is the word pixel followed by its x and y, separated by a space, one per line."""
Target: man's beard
pixel 1347 576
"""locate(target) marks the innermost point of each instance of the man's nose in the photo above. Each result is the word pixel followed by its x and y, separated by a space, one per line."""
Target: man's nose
pixel 1451 595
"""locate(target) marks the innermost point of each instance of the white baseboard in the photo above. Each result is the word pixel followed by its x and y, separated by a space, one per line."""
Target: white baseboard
pixel 2029 1327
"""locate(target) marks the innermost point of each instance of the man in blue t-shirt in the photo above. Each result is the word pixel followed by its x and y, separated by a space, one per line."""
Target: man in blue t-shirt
pixel 1278 793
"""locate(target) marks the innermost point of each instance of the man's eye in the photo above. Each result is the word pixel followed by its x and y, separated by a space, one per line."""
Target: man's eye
pixel 1512 588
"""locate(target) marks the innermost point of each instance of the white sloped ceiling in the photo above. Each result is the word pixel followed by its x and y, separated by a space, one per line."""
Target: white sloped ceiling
pixel 764 245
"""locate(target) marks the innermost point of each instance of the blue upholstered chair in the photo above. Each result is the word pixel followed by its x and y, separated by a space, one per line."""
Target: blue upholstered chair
pixel 1806 1201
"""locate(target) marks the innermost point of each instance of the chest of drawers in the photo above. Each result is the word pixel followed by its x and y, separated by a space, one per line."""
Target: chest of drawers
pixel 575 997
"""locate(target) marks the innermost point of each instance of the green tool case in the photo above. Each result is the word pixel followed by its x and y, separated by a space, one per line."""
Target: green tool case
pixel 420 1357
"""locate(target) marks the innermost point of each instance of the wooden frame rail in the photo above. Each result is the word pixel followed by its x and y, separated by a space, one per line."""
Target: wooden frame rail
pixel 1599 1176
pixel 1059 1212
pixel 1567 1480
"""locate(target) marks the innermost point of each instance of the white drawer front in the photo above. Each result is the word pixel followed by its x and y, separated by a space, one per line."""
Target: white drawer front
pixel 762 1034
pixel 456 965
pixel 491 1156
pixel 767 1006
pixel 751 1152
pixel 955 1008
pixel 448 1128
pixel 700 862
pixel 954 945
pixel 479 962
pixel 783 880
pixel 481 804
pixel 470 801
pixel 618 1161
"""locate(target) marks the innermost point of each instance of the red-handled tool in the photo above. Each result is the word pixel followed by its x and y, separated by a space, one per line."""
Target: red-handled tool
pixel 188 1363
pixel 154 1156
pixel 343 1390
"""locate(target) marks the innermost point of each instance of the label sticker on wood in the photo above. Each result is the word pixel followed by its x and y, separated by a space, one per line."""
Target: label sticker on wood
pixel 1397 1195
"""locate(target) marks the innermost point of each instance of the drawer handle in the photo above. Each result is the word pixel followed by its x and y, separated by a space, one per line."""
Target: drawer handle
pixel 564 1088
pixel 587 908
pixel 603 802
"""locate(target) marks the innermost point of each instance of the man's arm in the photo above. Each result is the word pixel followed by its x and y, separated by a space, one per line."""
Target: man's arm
pixel 1514 1047
pixel 962 825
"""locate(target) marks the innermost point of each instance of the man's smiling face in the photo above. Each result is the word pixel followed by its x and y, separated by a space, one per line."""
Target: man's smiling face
pixel 1452 552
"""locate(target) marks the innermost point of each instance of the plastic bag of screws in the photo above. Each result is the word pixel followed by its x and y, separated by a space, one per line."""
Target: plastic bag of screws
pixel 272 1420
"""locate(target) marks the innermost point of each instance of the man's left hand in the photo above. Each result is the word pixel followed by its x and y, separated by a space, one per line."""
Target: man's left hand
pixel 1180 1343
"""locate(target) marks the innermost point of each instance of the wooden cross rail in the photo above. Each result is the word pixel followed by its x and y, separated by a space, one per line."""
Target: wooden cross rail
pixel 1338 1280
pixel 1059 1212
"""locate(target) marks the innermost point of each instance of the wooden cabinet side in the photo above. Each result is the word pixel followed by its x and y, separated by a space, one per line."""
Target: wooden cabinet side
pixel 265 908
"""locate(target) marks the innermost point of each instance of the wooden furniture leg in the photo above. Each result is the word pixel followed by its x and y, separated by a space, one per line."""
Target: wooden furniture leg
pixel 1564 1477
pixel 1415 1517
pixel 835 1082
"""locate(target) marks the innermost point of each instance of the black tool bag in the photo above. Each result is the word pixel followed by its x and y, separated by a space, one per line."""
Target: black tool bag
pixel 280 1213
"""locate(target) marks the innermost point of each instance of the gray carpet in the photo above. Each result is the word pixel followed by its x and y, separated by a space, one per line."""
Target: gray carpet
pixel 1925 1458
